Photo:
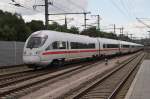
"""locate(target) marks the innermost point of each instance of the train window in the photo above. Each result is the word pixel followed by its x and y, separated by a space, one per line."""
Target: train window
pixel 74 45
pixel 36 42
pixel 104 45
pixel 91 45
pixel 133 46
pixel 59 45
pixel 79 45
pixel 110 46
pixel 113 46
pixel 126 46
pixel 62 45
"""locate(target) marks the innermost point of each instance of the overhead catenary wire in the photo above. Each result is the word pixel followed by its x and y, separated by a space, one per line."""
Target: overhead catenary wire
pixel 75 4
pixel 119 9
pixel 126 8
pixel 139 20
pixel 58 8
pixel 15 3
pixel 62 7
pixel 131 7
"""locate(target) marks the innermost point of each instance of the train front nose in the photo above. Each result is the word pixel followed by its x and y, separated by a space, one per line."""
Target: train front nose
pixel 31 59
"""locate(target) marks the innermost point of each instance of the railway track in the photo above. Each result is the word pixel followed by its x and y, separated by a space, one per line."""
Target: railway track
pixel 8 67
pixel 20 84
pixel 11 78
pixel 108 85
pixel 7 70
pixel 14 73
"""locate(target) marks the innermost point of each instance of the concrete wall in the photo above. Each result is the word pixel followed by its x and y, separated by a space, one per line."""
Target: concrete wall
pixel 11 53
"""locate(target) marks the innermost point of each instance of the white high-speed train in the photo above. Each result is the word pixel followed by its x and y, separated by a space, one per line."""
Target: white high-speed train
pixel 50 47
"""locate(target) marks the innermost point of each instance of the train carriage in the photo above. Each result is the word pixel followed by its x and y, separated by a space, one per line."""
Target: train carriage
pixel 109 46
pixel 125 47
pixel 50 47
pixel 57 47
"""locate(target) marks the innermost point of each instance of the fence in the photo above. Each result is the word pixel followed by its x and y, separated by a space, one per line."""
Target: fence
pixel 11 53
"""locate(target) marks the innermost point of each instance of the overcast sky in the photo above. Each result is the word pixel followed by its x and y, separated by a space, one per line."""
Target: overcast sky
pixel 119 12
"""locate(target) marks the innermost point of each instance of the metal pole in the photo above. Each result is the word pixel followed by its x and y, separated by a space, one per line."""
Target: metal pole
pixel 85 20
pixel 122 31
pixel 98 23
pixel 84 13
pixel 46 14
pixel 15 52
pixel 65 22
pixel 114 28
pixel 120 34
pixel 127 37
pixel 149 34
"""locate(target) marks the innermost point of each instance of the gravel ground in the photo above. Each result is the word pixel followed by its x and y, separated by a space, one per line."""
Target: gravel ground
pixel 63 86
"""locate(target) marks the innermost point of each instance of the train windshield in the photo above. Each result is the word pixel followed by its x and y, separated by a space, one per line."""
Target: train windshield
pixel 36 42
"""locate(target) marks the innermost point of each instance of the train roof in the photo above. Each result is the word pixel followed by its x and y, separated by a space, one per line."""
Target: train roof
pixel 63 36
pixel 81 38
pixel 130 43
pixel 108 41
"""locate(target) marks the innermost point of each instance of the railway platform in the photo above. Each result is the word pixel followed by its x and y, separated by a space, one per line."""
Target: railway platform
pixel 140 88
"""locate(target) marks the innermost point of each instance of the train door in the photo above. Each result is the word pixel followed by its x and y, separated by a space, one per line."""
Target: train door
pixel 72 52
pixel 68 50
pixel 99 49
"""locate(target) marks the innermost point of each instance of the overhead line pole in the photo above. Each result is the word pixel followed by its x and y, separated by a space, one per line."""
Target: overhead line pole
pixel 115 28
pixel 121 32
pixel 98 21
pixel 85 20
pixel 46 11
pixel 131 35
pixel 66 24
pixel 46 14
pixel 149 34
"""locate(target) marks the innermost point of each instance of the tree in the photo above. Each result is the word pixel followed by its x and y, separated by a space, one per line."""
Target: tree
pixel 74 30
pixel 91 31
pixel 13 27
pixel 62 28
pixel 35 25
pixel 53 26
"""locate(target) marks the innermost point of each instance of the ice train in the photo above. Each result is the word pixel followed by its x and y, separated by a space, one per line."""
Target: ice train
pixel 46 47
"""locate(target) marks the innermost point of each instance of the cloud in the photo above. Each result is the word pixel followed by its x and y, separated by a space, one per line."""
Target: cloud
pixel 58 6
pixel 137 29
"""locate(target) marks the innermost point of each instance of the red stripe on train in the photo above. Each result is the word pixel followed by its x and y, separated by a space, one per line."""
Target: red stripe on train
pixel 79 51
pixel 63 52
